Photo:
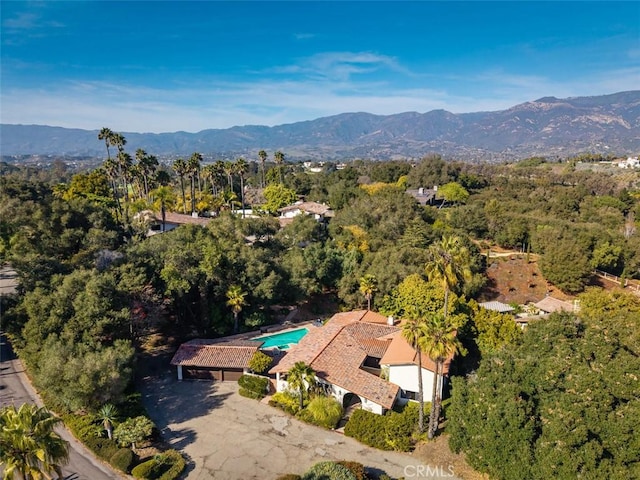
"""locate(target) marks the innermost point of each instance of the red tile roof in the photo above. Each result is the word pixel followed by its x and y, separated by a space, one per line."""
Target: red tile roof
pixel 180 219
pixel 337 350
pixel 216 353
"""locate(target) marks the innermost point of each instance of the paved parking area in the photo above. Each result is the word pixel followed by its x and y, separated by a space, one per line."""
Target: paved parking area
pixel 230 437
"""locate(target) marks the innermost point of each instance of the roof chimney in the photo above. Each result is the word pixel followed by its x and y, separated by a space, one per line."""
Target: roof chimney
pixel 390 320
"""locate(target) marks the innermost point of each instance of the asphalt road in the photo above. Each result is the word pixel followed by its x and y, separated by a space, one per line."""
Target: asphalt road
pixel 15 389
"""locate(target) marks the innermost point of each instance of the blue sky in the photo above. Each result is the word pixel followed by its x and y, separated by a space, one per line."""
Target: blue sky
pixel 160 66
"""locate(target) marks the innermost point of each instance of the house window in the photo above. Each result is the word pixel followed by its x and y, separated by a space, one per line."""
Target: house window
pixel 408 394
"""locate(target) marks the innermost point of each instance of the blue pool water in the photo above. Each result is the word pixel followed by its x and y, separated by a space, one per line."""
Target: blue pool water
pixel 282 340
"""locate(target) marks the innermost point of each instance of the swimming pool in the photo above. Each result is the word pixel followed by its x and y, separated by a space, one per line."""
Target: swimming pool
pixel 282 340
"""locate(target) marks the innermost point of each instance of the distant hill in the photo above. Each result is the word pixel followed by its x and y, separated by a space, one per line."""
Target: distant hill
pixel 548 126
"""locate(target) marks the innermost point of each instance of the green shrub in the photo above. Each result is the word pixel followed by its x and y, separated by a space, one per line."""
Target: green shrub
pixel 328 470
pixel 289 476
pixel 102 447
pixel 164 466
pixel 257 385
pixel 322 411
pixel 260 362
pixel 285 401
pixel 176 463
pixel 399 427
pixel 250 394
pixel 83 426
pixel 122 459
pixel 356 468
pixel 392 431
pixel 144 471
pixel 367 428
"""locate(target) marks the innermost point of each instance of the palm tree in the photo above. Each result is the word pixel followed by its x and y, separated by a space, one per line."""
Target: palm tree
pixel 301 377
pixel 448 263
pixel 241 167
pixel 236 300
pixel 193 171
pixel 164 199
pixel 278 157
pixel 147 165
pixel 107 135
pixel 368 286
pixel 229 170
pixel 262 155
pixel 108 414
pixel 439 342
pixel 29 447
pixel 180 167
pixel 414 331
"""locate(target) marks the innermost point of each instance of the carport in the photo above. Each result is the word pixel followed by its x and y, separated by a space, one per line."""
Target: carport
pixel 214 359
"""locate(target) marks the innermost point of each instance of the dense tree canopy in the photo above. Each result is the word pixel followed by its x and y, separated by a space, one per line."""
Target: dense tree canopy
pixel 562 404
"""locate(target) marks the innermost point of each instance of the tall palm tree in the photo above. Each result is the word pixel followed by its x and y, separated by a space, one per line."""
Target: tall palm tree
pixel 439 342
pixel 241 168
pixel 301 377
pixel 368 286
pixel 278 157
pixel 448 262
pixel 414 331
pixel 164 199
pixel 108 415
pixel 193 172
pixel 147 165
pixel 262 155
pixel 30 449
pixel 180 167
pixel 236 300
pixel 208 174
pixel 107 135
pixel 229 170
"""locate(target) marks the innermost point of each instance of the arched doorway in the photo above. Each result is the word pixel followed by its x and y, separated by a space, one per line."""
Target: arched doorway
pixel 350 403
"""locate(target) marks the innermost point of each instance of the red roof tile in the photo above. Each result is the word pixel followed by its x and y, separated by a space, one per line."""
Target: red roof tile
pixel 216 353
pixel 337 350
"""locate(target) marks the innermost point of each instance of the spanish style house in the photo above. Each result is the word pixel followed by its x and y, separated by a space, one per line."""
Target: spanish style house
pixel 360 357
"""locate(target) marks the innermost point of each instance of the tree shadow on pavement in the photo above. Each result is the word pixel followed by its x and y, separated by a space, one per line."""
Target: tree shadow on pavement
pixel 170 401
pixel 179 438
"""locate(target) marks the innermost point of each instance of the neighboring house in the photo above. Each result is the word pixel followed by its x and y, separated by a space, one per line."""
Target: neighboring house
pixel 550 305
pixel 425 196
pixel 352 354
pixel 497 307
pixel 172 221
pixel 219 359
pixel 631 162
pixel 318 210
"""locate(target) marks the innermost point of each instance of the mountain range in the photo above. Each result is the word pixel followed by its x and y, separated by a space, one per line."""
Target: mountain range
pixel 552 127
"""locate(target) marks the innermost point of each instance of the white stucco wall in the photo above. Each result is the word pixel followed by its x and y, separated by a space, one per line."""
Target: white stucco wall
pixel 338 393
pixel 406 377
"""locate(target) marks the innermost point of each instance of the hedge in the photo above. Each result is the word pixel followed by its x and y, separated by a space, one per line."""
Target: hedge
pixel 326 470
pixel 285 401
pixel 392 431
pixel 164 466
pixel 255 385
pixel 122 459
pixel 104 448
pixel 356 468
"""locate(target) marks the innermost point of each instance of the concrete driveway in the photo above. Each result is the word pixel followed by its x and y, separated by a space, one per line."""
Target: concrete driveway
pixel 230 437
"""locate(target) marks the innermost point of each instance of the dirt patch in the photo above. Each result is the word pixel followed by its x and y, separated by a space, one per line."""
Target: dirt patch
pixel 512 278
pixel 437 452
